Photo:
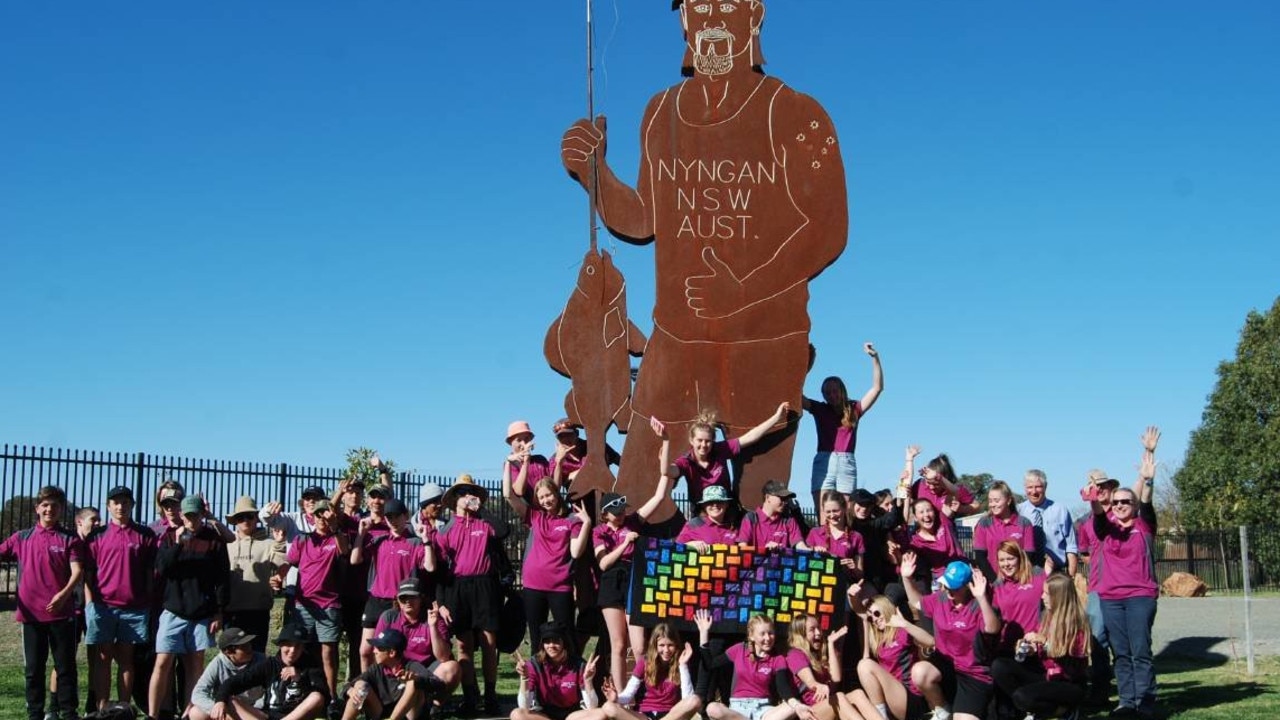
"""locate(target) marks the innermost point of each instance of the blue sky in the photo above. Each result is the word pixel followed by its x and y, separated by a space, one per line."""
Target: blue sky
pixel 273 231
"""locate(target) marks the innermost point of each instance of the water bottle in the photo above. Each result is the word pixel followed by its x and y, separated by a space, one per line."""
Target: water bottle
pixel 1024 649
pixel 360 691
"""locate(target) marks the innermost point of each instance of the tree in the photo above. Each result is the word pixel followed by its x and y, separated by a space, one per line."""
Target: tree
pixel 1231 474
pixel 18 513
pixel 358 467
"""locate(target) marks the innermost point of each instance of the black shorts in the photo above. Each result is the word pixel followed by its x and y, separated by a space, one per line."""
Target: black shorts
pixel 970 694
pixel 917 706
pixel 373 609
pixel 556 713
pixel 475 602
pixel 615 586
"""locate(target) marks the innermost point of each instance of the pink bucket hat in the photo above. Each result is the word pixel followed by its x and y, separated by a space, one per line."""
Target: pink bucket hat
pixel 517 428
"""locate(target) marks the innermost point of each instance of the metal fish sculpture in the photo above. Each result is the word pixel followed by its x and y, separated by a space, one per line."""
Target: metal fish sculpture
pixel 591 343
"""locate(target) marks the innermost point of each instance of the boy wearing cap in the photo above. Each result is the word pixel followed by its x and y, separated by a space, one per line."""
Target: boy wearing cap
pixel 51 562
pixel 192 562
pixel 355 584
pixel 292 689
pixel 571 453
pixel 235 654
pixel 294 523
pixel 319 557
pixel 768 526
pixel 393 688
pixel 426 634
pixel 122 556
pixel 254 561
pixel 391 558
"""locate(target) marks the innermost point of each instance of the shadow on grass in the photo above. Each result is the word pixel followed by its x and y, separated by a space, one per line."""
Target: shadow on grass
pixel 1179 694
pixel 1195 650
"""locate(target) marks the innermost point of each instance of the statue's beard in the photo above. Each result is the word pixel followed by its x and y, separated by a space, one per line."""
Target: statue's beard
pixel 713 51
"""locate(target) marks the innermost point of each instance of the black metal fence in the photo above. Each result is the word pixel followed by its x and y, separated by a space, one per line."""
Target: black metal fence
pixel 86 476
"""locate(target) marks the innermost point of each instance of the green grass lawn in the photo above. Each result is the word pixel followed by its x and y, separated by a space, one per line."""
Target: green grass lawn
pixel 1190 688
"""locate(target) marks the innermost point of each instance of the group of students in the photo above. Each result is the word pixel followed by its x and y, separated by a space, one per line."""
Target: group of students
pixel 417 597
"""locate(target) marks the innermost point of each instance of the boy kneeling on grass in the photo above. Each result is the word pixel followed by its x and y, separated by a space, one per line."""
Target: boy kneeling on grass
pixel 294 689
pixel 392 687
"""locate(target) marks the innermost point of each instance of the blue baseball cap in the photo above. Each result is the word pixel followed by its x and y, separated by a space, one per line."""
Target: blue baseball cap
pixel 957 575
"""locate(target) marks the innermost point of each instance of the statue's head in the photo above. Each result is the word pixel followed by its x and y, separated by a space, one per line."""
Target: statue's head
pixel 720 35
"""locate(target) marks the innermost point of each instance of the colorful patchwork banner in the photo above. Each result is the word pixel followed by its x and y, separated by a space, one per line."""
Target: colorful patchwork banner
pixel 670 580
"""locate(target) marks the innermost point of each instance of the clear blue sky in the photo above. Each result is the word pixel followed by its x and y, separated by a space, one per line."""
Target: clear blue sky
pixel 275 230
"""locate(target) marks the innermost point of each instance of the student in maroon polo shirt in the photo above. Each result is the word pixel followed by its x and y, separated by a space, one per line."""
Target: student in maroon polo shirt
pixel 426 636
pixel 1002 522
pixel 122 556
pixel 1124 549
pixel 938 484
pixel 571 453
pixel 556 538
pixel 713 525
pixel 613 542
pixel 767 527
pixel 556 683
pixel 391 558
pixel 891 647
pixel 760 673
pixel 51 562
pixel 956 680
pixel 1016 594
pixel 707 461
pixel 319 556
pixel 522 468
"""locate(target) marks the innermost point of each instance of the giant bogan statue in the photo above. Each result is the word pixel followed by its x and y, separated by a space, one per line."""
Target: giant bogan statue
pixel 742 191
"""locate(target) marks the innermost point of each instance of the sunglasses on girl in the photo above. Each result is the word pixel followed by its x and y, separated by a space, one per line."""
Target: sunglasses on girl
pixel 1122 501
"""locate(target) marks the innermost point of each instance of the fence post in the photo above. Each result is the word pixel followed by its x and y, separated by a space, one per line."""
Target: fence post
pixel 284 474
pixel 139 469
pixel 1248 599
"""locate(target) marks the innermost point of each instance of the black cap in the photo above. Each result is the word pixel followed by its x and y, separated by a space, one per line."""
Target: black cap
pixel 390 639
pixel 291 633
pixel 119 491
pixel 378 490
pixel 778 489
pixel 862 497
pixel 395 507
pixel 553 630
pixel 234 636
pixel 408 587
pixel 315 491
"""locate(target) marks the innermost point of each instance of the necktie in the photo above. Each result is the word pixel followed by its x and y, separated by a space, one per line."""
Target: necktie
pixel 1036 518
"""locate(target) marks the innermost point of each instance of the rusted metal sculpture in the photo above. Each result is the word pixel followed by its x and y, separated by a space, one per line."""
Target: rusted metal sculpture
pixel 742 191
pixel 591 343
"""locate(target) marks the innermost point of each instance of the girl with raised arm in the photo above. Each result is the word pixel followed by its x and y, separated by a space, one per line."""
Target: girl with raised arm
pixel 759 673
pixel 707 461
pixel 661 683
pixel 814 662
pixel 891 646
pixel 555 684
pixel 836 419
pixel 614 544
pixel 957 678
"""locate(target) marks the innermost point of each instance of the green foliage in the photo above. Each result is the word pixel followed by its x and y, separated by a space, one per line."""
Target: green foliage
pixel 358 466
pixel 1231 475
pixel 18 513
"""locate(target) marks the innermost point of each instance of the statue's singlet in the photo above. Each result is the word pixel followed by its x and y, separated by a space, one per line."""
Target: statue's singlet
pixel 722 185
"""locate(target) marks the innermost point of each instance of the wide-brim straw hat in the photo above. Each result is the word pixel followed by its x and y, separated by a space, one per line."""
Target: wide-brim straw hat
pixel 464 482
